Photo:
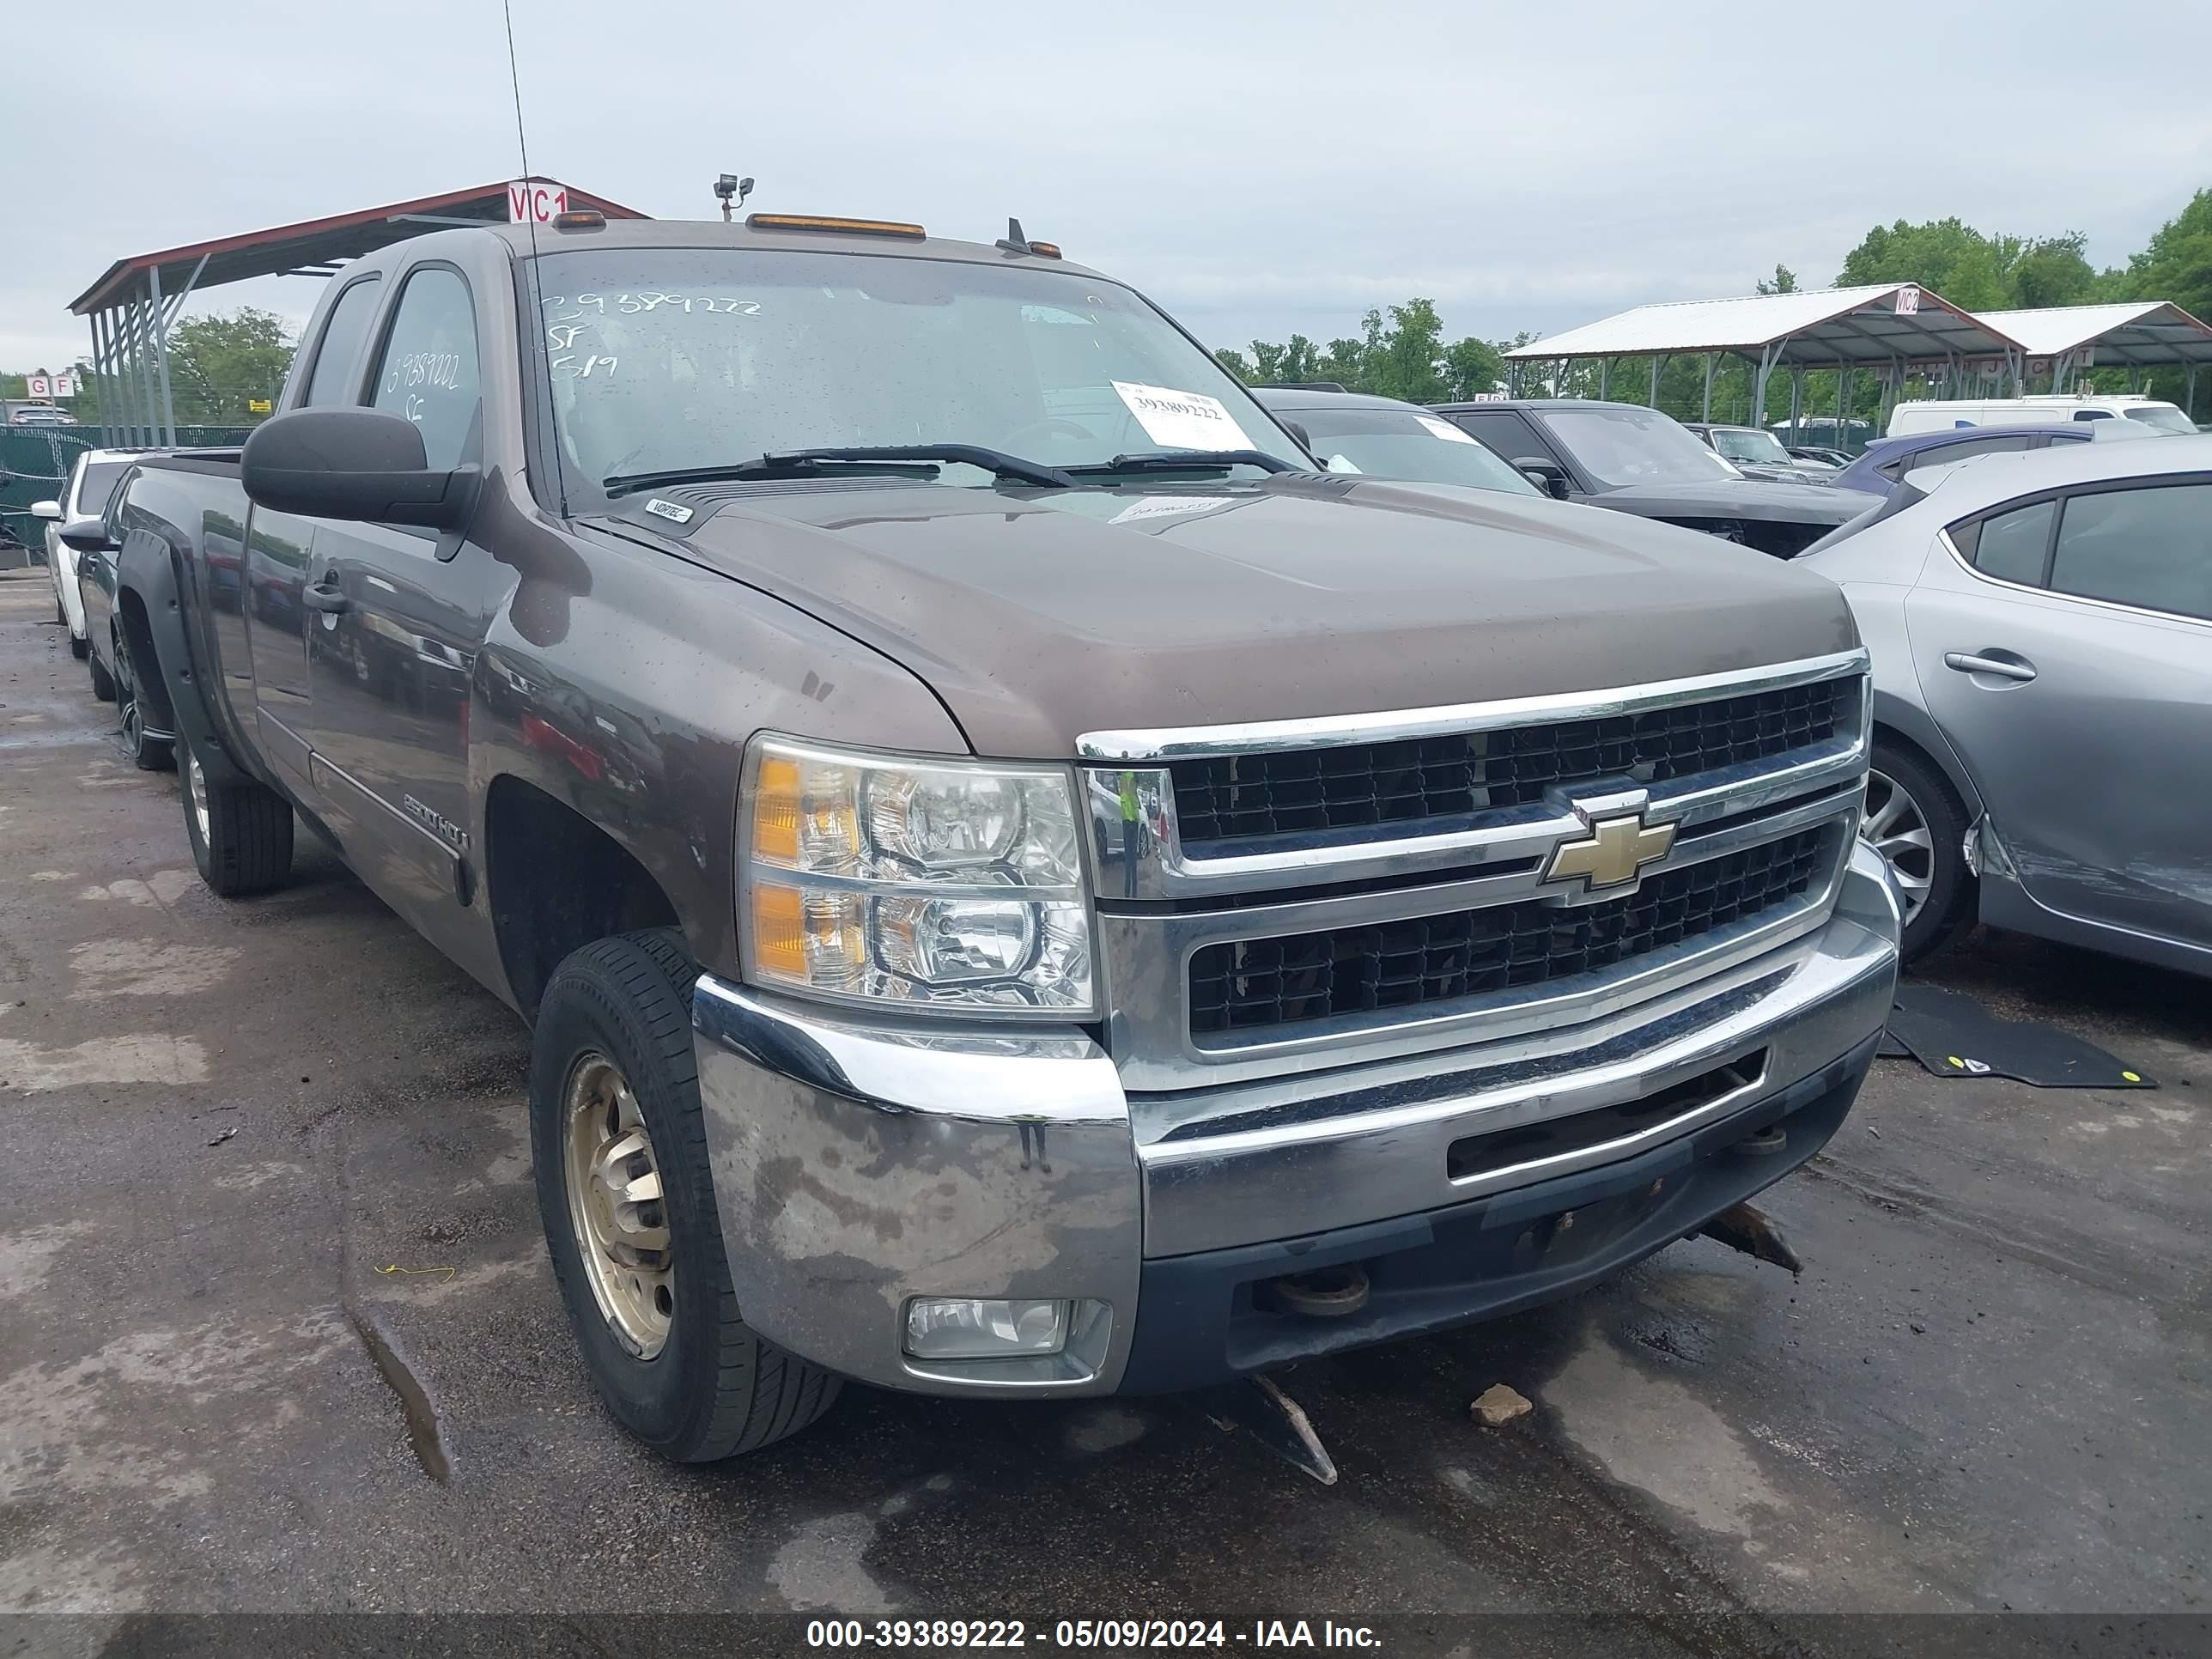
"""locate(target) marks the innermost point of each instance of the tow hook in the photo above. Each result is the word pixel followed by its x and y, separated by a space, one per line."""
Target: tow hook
pixel 1745 1227
pixel 1325 1293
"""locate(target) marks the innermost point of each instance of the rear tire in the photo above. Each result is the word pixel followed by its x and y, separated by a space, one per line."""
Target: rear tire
pixel 146 754
pixel 80 648
pixel 1916 823
pixel 241 833
pixel 612 1068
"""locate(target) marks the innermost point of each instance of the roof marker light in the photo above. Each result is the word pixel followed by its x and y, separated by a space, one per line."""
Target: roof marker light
pixel 815 222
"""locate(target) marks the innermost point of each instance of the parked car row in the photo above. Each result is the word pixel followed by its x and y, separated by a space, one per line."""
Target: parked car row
pixel 90 485
pixel 2073 810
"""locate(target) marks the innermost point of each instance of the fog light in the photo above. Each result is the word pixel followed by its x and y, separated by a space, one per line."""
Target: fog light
pixel 950 1327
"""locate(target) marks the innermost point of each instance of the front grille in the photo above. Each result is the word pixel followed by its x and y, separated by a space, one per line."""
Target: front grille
pixel 1409 781
pixel 1248 984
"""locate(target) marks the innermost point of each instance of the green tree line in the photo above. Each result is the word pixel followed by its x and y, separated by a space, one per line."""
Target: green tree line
pixel 218 364
pixel 1401 352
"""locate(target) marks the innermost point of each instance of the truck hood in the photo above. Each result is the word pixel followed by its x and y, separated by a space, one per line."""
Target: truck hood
pixel 1040 616
pixel 1810 502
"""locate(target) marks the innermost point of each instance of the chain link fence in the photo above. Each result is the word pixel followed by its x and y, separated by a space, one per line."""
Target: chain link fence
pixel 34 464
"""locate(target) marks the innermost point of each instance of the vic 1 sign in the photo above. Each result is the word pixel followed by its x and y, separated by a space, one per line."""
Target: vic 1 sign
pixel 531 201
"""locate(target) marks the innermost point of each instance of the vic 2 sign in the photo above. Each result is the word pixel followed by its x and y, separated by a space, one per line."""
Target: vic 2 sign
pixel 530 201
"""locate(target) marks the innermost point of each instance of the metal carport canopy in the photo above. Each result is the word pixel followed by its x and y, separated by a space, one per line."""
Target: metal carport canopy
pixel 2144 333
pixel 135 303
pixel 1894 326
pixel 1822 328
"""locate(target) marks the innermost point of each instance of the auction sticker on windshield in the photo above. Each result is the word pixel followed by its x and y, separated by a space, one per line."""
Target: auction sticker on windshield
pixel 1445 430
pixel 1183 420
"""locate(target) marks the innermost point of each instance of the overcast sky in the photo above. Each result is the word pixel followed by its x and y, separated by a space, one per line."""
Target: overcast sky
pixel 1256 168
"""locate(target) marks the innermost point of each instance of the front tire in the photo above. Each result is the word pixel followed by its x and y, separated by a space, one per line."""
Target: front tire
pixel 1916 825
pixel 103 682
pixel 627 1195
pixel 79 648
pixel 241 833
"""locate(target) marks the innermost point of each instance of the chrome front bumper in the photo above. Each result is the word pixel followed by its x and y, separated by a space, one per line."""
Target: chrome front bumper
pixel 858 1164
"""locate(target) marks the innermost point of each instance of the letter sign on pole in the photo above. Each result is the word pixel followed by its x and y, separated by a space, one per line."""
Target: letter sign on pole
pixel 533 201
pixel 37 385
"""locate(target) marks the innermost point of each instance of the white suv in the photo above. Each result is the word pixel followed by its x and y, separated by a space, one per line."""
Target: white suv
pixel 85 495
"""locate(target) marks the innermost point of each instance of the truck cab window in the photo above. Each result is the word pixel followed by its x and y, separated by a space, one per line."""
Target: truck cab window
pixel 428 370
pixel 336 375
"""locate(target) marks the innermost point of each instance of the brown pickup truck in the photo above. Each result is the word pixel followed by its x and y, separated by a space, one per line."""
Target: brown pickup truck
pixel 1021 886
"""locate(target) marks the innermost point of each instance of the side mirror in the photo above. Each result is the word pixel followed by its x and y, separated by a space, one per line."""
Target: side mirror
pixel 357 463
pixel 86 535
pixel 45 509
pixel 1545 474
pixel 1297 429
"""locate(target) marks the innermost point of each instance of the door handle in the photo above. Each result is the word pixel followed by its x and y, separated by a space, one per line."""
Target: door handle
pixel 324 598
pixel 2004 668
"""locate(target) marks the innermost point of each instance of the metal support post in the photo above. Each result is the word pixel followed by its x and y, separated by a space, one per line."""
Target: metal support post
pixel 1604 378
pixel 1707 406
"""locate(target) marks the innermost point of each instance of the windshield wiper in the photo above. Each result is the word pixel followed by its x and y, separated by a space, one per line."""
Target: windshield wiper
pixel 919 459
pixel 1187 460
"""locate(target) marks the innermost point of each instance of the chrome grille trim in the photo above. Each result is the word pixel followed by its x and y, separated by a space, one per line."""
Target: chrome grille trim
pixel 1140 856
pixel 1191 742
pixel 1145 958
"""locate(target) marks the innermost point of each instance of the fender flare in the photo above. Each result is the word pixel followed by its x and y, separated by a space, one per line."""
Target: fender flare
pixel 145 566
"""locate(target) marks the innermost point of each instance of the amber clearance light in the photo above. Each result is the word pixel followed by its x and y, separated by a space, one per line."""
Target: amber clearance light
pixel 813 221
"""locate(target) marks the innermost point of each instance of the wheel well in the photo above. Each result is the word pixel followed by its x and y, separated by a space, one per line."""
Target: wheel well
pixel 1890 734
pixel 556 881
pixel 150 687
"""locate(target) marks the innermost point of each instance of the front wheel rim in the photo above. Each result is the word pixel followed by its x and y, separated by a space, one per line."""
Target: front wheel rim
pixel 615 1207
pixel 196 791
pixel 1897 830
pixel 127 698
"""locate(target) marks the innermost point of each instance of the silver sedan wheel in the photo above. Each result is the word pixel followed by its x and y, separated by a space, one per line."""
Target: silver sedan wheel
pixel 614 1205
pixel 1896 827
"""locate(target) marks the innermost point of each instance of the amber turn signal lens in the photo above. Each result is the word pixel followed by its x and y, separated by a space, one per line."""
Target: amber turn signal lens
pixel 779 931
pixel 776 808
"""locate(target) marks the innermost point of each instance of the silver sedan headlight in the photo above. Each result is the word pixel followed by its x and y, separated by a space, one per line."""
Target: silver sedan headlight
pixel 921 883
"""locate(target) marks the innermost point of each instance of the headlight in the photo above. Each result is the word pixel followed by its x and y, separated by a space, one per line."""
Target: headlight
pixel 934 884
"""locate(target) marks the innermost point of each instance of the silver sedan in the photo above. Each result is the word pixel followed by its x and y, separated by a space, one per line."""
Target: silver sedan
pixel 2041 628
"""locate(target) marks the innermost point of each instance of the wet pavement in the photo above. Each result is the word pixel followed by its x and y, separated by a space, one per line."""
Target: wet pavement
pixel 277 1334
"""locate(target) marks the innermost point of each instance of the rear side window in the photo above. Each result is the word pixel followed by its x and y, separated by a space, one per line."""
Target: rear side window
pixel 2009 546
pixel 429 371
pixel 336 377
pixel 95 488
pixel 2092 414
pixel 1504 433
pixel 2148 548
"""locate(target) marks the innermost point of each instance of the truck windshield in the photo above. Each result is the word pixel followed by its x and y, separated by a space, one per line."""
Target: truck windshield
pixel 665 358
pixel 1391 443
pixel 1634 447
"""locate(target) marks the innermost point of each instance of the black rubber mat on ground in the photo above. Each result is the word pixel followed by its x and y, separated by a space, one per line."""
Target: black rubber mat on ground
pixel 1953 1036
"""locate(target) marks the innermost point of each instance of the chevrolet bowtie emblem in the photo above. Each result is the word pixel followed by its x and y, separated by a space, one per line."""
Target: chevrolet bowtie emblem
pixel 1613 851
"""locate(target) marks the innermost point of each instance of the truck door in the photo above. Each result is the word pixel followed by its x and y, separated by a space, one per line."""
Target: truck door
pixel 275 573
pixel 2071 669
pixel 397 615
